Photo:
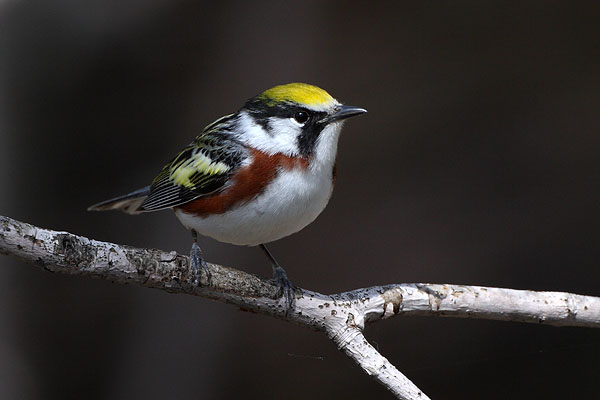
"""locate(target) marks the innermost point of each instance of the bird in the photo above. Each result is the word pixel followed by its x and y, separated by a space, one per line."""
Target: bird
pixel 251 177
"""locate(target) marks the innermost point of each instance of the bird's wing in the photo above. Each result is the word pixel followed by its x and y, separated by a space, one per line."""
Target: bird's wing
pixel 202 168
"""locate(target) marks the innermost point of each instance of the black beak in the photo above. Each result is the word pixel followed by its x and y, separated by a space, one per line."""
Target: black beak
pixel 343 113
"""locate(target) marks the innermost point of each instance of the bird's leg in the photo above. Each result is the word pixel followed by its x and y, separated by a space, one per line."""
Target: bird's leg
pixel 286 289
pixel 197 260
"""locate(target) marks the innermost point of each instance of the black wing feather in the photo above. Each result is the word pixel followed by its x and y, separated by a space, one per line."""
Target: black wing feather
pixel 201 169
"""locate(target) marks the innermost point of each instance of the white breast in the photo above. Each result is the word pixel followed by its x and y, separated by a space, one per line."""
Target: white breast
pixel 292 201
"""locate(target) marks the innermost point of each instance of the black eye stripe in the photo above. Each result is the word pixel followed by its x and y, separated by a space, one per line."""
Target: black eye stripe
pixel 262 112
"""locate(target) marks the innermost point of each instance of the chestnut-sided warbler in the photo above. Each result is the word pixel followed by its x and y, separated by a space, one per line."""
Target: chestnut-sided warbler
pixel 253 176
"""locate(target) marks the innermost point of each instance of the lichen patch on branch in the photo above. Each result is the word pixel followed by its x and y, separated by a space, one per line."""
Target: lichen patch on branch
pixel 392 301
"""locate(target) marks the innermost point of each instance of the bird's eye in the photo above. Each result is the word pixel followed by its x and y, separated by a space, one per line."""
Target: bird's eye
pixel 301 117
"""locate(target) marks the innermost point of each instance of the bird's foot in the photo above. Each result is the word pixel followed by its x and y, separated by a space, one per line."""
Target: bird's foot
pixel 198 264
pixel 286 289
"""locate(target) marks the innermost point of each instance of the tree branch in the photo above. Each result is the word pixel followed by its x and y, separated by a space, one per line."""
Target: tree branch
pixel 341 316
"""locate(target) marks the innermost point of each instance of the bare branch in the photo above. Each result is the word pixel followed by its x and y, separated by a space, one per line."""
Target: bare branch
pixel 549 308
pixel 341 316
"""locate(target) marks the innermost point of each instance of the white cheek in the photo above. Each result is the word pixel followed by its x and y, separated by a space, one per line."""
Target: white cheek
pixel 283 141
pixel 285 134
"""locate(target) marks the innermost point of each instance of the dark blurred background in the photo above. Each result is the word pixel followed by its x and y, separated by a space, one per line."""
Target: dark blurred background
pixel 478 163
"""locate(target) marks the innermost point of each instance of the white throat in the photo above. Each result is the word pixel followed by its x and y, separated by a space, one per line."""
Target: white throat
pixel 325 151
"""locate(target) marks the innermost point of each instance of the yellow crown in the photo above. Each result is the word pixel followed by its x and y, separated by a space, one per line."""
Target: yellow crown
pixel 300 93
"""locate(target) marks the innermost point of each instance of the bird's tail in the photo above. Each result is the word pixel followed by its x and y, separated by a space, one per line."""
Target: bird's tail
pixel 129 203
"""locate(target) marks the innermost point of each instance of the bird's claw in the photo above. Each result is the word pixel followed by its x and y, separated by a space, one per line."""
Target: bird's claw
pixel 286 289
pixel 198 264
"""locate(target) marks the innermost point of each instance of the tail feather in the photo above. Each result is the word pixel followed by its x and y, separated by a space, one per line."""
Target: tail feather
pixel 129 203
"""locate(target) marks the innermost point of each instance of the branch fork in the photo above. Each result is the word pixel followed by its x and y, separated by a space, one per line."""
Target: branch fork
pixel 342 316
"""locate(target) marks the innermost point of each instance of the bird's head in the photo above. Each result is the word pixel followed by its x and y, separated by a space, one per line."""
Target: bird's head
pixel 296 119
